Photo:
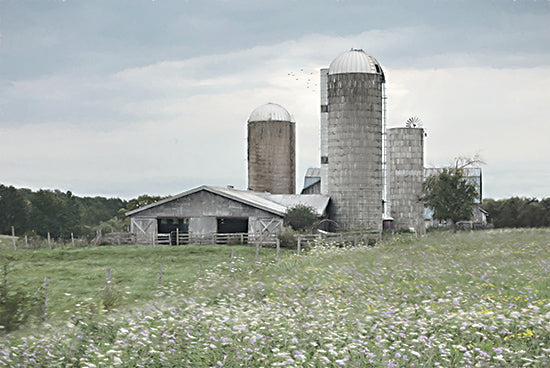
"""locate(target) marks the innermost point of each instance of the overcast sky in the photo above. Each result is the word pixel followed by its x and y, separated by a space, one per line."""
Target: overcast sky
pixel 120 98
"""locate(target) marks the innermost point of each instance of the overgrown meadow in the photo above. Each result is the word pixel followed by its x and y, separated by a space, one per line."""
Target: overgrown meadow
pixel 450 300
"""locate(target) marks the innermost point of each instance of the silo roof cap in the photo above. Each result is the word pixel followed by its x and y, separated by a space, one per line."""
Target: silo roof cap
pixel 270 112
pixel 355 61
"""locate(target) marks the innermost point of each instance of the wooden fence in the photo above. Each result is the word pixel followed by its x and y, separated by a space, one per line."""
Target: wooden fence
pixel 345 238
pixel 177 238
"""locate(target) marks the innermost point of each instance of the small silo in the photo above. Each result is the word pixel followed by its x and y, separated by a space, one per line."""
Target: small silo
pixel 405 176
pixel 355 85
pixel 272 150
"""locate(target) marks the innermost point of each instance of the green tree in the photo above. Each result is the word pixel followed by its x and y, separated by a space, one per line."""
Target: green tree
pixel 449 194
pixel 518 212
pixel 13 210
pixel 141 201
pixel 300 217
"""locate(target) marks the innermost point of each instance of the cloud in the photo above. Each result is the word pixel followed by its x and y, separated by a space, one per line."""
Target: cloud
pixel 166 126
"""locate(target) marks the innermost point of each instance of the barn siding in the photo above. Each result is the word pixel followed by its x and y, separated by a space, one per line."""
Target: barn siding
pixel 202 208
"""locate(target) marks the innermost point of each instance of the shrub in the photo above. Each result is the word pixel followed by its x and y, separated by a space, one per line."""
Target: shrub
pixel 16 306
pixel 301 217
pixel 287 239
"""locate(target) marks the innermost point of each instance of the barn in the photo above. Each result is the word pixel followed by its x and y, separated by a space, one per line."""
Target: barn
pixel 204 211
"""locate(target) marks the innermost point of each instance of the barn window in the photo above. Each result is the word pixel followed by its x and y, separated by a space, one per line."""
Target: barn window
pixel 168 225
pixel 232 225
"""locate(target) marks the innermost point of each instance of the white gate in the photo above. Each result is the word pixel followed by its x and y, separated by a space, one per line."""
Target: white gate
pixel 145 229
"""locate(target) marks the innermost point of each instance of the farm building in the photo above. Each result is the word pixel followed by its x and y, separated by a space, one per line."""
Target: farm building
pixel 206 210
pixel 312 181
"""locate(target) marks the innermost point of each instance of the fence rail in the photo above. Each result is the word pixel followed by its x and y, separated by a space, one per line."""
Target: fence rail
pixel 352 237
pixel 176 238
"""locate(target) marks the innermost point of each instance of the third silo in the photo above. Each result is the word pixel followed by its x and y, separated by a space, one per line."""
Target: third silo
pixel 406 169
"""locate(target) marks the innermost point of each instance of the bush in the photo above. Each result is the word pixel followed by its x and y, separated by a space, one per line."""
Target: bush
pixel 17 306
pixel 301 217
pixel 287 239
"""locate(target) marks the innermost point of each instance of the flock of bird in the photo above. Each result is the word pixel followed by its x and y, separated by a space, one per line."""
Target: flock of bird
pixel 304 75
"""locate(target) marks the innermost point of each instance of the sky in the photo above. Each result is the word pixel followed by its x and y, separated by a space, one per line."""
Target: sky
pixel 130 97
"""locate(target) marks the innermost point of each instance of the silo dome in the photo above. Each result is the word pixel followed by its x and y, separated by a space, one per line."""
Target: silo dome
pixel 270 112
pixel 355 61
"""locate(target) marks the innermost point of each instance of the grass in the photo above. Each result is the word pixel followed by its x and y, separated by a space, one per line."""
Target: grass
pixel 452 300
pixel 78 275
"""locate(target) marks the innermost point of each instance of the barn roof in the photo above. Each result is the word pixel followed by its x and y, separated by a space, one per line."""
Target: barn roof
pixel 318 202
pixel 274 203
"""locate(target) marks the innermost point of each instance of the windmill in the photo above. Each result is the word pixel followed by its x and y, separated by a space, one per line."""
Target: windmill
pixel 413 122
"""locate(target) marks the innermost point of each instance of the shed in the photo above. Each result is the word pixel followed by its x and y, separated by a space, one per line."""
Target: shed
pixel 210 210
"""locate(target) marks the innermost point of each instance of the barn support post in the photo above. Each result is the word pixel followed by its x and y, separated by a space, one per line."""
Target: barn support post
pixel 13 237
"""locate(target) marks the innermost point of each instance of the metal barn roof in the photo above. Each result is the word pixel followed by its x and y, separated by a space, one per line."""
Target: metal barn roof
pixel 270 112
pixel 318 202
pixel 313 172
pixel 355 61
pixel 274 203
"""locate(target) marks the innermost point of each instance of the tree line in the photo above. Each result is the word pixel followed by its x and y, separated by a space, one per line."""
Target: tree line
pixel 53 211
pixel 518 212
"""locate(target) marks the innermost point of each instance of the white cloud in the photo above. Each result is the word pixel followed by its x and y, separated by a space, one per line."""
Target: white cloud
pixel 165 127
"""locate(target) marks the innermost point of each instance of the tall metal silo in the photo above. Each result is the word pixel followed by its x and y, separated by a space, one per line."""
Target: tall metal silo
pixel 405 176
pixel 355 86
pixel 272 150
pixel 324 131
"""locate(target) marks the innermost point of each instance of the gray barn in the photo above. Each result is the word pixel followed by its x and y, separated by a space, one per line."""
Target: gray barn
pixel 210 210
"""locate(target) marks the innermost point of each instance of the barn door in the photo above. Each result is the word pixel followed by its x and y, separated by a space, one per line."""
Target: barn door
pixel 270 226
pixel 145 229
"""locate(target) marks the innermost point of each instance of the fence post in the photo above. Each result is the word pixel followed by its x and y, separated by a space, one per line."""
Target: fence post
pixel 257 251
pixel 49 241
pixel 13 237
pixel 72 239
pixel 231 261
pixel 46 296
pixel 200 268
pixel 278 243
pixel 160 276
pixel 177 236
pixel 299 244
pixel 26 241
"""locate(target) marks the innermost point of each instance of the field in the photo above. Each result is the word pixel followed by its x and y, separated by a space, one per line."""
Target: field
pixel 450 300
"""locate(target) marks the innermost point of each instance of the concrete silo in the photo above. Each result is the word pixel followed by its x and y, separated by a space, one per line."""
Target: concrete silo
pixel 272 150
pixel 405 176
pixel 355 85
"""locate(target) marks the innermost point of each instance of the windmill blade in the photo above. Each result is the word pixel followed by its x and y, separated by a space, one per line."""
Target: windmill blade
pixel 413 122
